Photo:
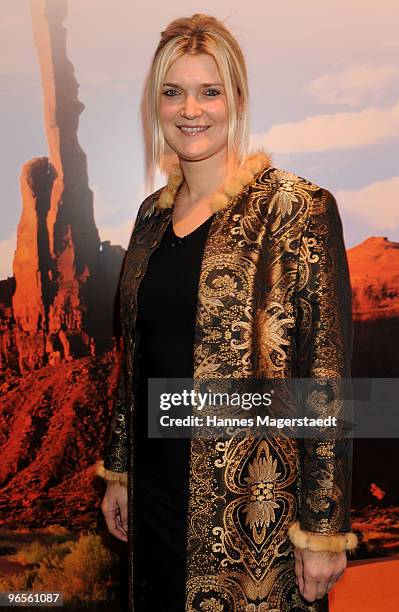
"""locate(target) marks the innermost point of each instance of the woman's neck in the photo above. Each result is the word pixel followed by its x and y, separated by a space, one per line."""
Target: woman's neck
pixel 203 178
pixel 237 179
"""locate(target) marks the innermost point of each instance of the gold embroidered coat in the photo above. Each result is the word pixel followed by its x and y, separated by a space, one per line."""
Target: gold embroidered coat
pixel 274 301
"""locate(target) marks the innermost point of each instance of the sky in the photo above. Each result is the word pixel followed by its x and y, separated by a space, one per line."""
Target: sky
pixel 324 87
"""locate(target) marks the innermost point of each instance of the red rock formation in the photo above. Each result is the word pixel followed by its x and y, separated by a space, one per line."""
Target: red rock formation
pixel 8 349
pixel 32 265
pixel 374 268
pixel 61 306
pixel 53 425
pixel 377 491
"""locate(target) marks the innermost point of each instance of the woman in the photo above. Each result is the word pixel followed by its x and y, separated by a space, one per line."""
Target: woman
pixel 257 285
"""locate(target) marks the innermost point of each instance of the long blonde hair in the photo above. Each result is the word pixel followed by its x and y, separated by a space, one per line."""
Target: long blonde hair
pixel 193 35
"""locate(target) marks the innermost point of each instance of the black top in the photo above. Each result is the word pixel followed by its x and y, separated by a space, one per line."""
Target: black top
pixel 167 300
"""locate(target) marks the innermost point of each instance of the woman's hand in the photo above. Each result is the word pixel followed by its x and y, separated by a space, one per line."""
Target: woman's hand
pixel 317 572
pixel 114 509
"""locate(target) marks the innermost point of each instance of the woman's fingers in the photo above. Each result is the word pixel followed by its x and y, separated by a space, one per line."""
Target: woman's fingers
pixel 333 580
pixel 114 509
pixel 310 588
pixel 322 588
pixel 113 522
pixel 299 569
pixel 320 571
pixel 123 517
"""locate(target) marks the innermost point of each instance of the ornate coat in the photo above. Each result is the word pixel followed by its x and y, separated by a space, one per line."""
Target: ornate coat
pixel 274 301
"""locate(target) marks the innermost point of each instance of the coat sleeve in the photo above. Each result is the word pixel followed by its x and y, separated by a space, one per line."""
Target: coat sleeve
pixel 114 464
pixel 115 454
pixel 324 337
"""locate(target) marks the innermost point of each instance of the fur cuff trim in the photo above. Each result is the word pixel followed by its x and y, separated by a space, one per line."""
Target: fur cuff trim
pixel 120 477
pixel 318 542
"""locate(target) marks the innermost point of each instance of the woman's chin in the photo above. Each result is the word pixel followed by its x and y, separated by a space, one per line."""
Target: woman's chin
pixel 194 153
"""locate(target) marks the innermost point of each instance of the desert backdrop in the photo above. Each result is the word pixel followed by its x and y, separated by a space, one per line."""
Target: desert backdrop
pixel 333 118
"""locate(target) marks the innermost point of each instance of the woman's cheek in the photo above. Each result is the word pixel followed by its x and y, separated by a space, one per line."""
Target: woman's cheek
pixel 167 110
pixel 218 111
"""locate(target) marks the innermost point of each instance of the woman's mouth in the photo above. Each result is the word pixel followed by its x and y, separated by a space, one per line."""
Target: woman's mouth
pixel 192 131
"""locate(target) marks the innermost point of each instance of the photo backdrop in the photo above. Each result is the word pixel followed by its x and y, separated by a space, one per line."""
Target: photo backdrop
pixel 324 103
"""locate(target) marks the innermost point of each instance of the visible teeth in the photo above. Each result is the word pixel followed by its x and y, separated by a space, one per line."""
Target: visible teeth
pixel 193 130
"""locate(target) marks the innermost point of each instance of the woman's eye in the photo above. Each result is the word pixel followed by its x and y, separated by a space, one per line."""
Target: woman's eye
pixel 170 92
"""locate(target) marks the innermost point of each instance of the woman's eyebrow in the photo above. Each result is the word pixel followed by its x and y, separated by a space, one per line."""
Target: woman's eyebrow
pixel 202 84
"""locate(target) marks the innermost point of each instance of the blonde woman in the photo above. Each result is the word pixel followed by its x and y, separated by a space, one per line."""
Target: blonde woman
pixel 234 269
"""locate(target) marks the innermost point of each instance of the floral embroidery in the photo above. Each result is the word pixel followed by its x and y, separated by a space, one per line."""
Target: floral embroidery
pixel 262 607
pixel 226 284
pixel 212 605
pixel 284 196
pixel 273 337
pixel 209 307
pixel 262 476
pixel 207 364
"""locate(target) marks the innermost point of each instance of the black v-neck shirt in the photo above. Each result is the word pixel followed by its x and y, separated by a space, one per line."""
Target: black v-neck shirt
pixel 167 300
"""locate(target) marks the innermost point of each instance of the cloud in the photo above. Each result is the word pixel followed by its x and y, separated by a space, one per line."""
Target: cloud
pixel 354 86
pixel 333 131
pixel 375 204
pixel 7 248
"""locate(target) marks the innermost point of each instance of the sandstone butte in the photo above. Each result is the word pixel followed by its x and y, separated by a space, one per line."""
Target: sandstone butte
pixel 59 303
pixel 374 269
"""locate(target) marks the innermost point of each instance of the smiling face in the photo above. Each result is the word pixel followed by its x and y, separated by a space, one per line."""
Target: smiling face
pixel 193 108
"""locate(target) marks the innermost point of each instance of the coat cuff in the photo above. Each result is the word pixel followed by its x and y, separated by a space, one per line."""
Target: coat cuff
pixel 318 542
pixel 101 471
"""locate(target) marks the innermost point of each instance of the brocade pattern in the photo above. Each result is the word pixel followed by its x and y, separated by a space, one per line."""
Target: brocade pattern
pixel 274 301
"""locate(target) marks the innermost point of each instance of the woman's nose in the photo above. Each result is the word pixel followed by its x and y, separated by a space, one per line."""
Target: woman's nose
pixel 191 108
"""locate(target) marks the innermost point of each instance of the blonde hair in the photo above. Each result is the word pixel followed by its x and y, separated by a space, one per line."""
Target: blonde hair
pixel 193 35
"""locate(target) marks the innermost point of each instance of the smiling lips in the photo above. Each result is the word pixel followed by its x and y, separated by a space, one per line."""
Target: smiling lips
pixel 192 131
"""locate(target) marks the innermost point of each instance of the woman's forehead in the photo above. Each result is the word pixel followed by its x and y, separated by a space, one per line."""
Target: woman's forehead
pixel 200 68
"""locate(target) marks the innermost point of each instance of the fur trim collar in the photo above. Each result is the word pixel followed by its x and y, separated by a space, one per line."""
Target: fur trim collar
pixel 252 165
